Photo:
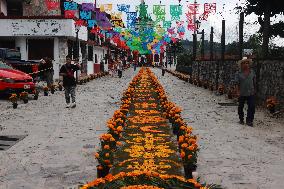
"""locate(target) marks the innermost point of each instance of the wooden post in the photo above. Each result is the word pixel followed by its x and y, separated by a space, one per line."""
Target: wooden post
pixel 211 44
pixel 194 46
pixel 241 35
pixel 223 41
pixel 202 45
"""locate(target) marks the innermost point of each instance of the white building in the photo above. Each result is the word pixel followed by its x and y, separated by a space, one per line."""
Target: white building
pixel 38 32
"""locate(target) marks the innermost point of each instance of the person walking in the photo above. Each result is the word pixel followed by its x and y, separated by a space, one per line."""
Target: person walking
pixel 69 81
pixel 245 83
pixel 48 72
pixel 119 68
pixel 134 65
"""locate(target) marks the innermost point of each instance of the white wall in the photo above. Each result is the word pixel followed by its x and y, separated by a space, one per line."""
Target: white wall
pixel 41 27
pixel 3 7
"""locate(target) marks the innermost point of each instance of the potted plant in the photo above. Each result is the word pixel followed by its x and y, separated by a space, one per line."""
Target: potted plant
pixel 271 103
pixel 221 89
pixel 60 87
pixel 14 98
pixel 45 91
pixel 52 89
pixel 24 97
pixel 36 93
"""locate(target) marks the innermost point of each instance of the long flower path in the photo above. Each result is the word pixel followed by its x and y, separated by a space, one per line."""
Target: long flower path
pixel 148 145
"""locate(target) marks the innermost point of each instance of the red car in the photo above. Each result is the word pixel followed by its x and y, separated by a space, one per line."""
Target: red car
pixel 14 81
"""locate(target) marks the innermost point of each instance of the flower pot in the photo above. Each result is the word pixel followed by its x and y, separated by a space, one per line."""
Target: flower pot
pixel 60 88
pixel 272 109
pixel 15 105
pixel 188 169
pixel 52 90
pixel 102 172
pixel 26 100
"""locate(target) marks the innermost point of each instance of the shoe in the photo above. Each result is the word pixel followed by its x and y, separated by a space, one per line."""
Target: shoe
pixel 250 124
pixel 73 105
pixel 67 105
pixel 241 122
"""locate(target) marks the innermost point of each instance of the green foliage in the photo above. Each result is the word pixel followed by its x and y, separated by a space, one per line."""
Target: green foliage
pixel 184 59
pixel 274 7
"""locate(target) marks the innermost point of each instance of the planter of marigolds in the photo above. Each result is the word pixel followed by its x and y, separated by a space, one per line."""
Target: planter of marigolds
pixel 14 98
pixel 221 89
pixel 24 96
pixel 52 89
pixel 271 103
pixel 35 93
pixel 45 91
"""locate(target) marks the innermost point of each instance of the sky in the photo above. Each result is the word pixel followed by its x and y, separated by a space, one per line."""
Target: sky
pixel 225 10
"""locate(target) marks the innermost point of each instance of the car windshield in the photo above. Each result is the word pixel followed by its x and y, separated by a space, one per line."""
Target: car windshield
pixel 4 66
pixel 11 54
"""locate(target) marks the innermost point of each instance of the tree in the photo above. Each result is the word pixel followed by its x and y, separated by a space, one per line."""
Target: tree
pixel 265 9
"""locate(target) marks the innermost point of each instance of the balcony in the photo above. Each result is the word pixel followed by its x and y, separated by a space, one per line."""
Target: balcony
pixel 40 27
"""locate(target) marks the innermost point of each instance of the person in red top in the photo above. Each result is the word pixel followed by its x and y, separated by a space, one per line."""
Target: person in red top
pixel 69 81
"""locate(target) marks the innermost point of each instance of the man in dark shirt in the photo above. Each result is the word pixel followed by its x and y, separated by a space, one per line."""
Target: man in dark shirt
pixel 69 81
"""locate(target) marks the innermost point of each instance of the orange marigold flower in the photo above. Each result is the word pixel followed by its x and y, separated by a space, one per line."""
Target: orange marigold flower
pixel 106 147
pixel 97 155
pixel 182 154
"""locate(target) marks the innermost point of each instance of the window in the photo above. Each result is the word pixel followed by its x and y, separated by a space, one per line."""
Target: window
pixel 40 48
pixel 90 53
pixel 14 8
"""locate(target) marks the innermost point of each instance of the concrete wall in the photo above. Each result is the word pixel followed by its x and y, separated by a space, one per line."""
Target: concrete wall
pixel 270 75
pixel 3 7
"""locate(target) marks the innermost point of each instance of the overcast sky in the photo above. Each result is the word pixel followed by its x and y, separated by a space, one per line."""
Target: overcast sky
pixel 225 10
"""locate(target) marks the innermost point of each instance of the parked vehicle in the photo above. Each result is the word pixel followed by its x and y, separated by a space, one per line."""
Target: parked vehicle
pixel 12 57
pixel 14 81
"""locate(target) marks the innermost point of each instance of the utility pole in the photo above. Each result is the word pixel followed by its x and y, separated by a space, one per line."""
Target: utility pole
pixel 241 35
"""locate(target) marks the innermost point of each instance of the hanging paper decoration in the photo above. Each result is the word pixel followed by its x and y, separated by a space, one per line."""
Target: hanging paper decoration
pixel 79 22
pixel 208 8
pixel 70 5
pixel 117 23
pixel 191 15
pixel 69 13
pixel 167 24
pixel 142 8
pixel 52 4
pixel 175 11
pixel 123 8
pixel 160 12
pixel 88 7
pixel 85 15
pixel 106 7
pixel 92 23
pixel 131 19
